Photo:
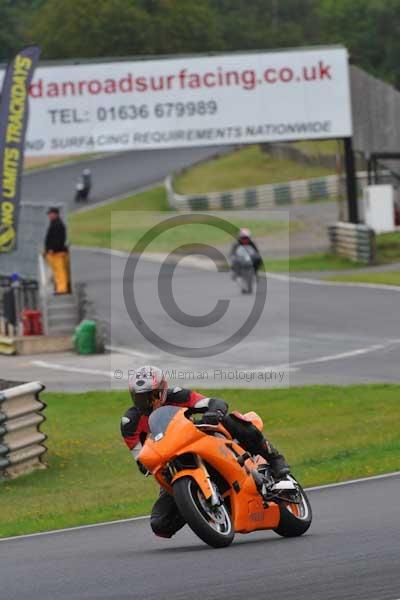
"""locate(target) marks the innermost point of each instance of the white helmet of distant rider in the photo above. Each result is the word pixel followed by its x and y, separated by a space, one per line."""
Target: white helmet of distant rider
pixel 244 233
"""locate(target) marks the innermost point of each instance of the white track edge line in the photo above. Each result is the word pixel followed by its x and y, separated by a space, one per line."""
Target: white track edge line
pixel 324 282
pixel 71 369
pixel 295 366
pixel 77 528
pixel 353 481
pixel 130 520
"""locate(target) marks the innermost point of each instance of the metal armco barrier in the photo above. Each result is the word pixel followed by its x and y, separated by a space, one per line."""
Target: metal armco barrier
pixel 356 242
pixel 21 441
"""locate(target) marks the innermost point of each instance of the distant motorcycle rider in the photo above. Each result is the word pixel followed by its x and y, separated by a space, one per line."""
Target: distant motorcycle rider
pixel 245 239
pixel 83 185
pixel 149 390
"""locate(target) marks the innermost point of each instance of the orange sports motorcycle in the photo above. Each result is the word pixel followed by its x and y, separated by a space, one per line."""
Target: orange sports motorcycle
pixel 219 488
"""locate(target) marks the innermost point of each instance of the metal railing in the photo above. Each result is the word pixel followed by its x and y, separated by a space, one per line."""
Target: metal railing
pixel 44 277
pixel 15 296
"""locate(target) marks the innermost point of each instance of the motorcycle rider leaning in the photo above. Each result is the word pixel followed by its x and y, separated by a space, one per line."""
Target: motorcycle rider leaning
pixel 245 239
pixel 149 390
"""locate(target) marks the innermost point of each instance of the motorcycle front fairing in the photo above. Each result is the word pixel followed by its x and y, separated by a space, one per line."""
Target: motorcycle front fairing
pixel 176 448
pixel 172 434
pixel 175 441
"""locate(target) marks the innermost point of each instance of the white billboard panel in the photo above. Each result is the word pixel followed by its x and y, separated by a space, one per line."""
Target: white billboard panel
pixel 205 100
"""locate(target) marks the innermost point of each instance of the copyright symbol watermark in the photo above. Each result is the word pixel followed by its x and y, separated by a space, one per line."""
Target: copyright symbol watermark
pixel 194 323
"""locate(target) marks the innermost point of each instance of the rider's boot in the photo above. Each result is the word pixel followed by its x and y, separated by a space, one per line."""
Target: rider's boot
pixel 258 479
pixel 279 466
pixel 276 461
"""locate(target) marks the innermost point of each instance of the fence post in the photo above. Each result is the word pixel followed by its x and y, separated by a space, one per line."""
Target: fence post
pixel 351 180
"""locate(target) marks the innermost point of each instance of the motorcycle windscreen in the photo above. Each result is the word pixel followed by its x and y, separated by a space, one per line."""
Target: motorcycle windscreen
pixel 161 418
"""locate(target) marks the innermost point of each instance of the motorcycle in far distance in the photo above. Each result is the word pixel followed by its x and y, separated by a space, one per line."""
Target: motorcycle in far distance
pixel 242 266
pixel 83 186
pixel 219 488
pixel 80 192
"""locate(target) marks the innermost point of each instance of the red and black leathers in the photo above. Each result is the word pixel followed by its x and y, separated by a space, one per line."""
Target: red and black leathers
pixel 135 426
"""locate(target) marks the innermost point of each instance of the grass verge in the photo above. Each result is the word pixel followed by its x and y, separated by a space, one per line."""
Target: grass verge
pixel 245 168
pixel 316 148
pixel 311 262
pixel 388 248
pixel 328 433
pixel 387 252
pixel 383 278
pixel 93 227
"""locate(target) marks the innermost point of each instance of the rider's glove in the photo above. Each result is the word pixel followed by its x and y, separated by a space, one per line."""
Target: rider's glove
pixel 213 417
pixel 142 468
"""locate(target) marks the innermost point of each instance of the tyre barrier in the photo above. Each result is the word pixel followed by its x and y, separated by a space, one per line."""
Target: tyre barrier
pixel 356 242
pixel 21 441
pixel 262 196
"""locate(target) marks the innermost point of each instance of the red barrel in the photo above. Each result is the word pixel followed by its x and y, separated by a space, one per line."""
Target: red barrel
pixel 31 322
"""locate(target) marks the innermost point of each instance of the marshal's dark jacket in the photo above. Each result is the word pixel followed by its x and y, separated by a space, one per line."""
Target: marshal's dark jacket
pixel 56 237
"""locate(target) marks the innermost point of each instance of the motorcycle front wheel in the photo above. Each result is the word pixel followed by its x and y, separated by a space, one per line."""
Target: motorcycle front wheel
pixel 249 281
pixel 246 281
pixel 211 524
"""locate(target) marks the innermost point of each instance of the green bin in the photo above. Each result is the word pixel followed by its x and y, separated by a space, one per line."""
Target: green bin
pixel 85 337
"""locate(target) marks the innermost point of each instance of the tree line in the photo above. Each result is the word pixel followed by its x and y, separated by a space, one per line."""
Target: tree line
pixel 69 29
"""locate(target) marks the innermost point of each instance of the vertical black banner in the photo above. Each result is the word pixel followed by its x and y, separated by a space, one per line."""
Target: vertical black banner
pixel 13 122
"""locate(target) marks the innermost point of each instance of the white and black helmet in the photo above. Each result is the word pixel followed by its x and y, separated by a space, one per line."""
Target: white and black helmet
pixel 244 233
pixel 148 387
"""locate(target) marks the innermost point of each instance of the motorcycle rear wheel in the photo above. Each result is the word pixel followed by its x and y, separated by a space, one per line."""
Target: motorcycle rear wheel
pixel 295 518
pixel 213 525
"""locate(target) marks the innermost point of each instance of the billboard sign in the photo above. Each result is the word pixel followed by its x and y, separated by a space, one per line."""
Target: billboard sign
pixel 194 101
pixel 13 121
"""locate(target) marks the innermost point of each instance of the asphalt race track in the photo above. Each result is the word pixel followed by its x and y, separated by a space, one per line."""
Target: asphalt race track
pixel 310 332
pixel 328 334
pixel 350 553
pixel 113 175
